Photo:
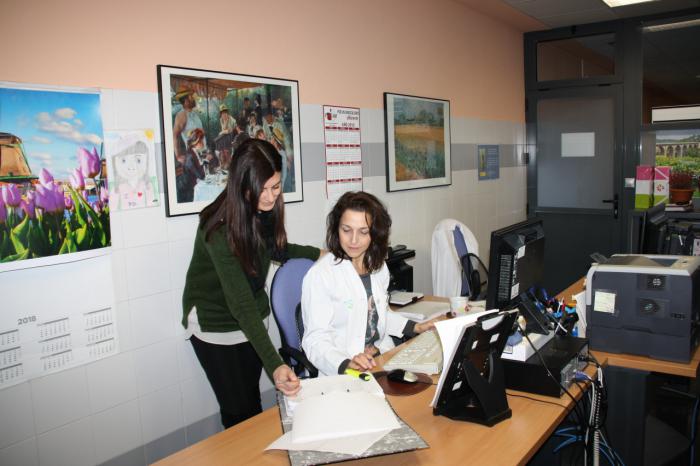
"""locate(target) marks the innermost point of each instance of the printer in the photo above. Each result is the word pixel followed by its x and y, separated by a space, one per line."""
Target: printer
pixel 644 304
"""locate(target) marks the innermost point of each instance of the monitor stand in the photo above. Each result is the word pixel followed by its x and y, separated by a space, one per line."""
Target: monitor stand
pixel 474 388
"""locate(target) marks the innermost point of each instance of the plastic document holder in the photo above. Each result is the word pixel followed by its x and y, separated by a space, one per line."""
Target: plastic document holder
pixel 474 388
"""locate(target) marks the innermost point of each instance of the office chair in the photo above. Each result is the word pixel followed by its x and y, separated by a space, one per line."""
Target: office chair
pixel 471 278
pixel 285 299
pixel 455 259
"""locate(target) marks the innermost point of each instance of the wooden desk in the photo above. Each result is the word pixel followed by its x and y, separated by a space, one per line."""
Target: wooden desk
pixel 513 441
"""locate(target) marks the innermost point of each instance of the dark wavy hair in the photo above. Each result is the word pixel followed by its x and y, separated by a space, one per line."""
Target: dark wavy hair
pixel 253 163
pixel 378 220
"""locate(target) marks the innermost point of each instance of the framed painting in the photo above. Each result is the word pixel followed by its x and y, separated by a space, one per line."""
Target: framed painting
pixel 206 115
pixel 417 132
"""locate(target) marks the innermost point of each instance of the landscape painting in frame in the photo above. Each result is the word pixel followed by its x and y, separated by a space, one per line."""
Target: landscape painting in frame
pixel 417 133
pixel 206 115
pixel 54 198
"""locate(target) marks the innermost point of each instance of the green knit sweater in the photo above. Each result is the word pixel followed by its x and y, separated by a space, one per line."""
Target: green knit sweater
pixel 217 285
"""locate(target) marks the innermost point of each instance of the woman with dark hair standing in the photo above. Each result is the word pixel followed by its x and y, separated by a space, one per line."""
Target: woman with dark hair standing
pixel 224 301
pixel 344 298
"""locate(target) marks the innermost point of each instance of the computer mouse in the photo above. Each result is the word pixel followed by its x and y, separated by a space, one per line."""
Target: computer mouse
pixel 402 376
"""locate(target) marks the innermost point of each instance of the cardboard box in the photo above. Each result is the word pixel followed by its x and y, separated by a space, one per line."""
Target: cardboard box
pixel 661 177
pixel 644 187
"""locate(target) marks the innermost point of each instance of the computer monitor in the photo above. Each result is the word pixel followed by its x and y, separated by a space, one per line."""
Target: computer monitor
pixel 652 238
pixel 516 262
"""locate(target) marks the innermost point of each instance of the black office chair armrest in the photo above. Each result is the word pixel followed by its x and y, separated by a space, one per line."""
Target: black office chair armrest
pixel 288 353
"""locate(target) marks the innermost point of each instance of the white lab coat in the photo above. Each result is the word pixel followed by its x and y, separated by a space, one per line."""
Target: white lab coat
pixel 447 269
pixel 334 311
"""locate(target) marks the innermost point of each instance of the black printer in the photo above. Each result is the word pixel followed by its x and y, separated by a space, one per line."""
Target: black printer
pixel 644 304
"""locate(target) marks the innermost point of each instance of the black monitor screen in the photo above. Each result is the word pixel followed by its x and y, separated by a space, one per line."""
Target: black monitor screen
pixel 516 262
pixel 653 234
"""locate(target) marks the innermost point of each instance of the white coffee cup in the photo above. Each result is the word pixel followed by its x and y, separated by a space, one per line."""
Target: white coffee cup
pixel 458 303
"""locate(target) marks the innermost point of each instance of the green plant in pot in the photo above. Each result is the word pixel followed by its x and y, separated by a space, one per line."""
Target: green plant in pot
pixel 681 186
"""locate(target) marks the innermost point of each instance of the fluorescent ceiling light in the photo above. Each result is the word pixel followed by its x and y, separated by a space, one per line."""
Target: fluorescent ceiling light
pixel 668 26
pixel 616 3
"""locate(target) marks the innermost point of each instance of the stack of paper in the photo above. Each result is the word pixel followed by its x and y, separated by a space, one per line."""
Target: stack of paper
pixel 339 414
pixel 424 310
pixel 325 385
pixel 401 298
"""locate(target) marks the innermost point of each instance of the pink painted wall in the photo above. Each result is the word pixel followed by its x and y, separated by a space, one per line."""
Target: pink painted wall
pixel 342 52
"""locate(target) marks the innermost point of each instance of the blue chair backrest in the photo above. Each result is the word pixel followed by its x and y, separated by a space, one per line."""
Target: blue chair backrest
pixel 463 254
pixel 285 295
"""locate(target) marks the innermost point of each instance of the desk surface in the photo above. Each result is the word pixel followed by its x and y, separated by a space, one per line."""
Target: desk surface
pixel 513 441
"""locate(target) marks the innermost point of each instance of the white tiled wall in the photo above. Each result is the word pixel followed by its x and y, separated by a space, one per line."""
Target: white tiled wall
pixel 155 387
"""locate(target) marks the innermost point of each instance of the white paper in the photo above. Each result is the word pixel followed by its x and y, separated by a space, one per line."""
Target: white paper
pixel 577 144
pixel 404 297
pixel 337 415
pixel 355 445
pixel 604 301
pixel 424 310
pixel 332 384
pixel 450 332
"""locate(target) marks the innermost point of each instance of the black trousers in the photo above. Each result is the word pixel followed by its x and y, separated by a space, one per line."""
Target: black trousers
pixel 234 374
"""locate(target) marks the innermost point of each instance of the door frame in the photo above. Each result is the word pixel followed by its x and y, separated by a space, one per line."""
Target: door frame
pixel 627 76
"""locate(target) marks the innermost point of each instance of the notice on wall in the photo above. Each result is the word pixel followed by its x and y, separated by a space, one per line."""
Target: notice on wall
pixel 578 144
pixel 55 317
pixel 343 150
pixel 488 161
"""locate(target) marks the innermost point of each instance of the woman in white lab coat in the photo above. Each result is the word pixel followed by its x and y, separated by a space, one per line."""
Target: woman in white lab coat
pixel 344 299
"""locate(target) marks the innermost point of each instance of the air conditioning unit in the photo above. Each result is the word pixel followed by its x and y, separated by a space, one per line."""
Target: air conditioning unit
pixel 680 113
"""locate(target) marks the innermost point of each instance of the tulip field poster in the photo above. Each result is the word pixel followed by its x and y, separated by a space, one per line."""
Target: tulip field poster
pixel 53 185
pixel 56 287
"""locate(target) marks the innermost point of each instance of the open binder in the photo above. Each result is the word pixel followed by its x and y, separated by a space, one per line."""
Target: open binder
pixel 472 386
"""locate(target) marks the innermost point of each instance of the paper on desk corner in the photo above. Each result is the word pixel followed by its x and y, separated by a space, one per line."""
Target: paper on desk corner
pixel 402 298
pixel 355 445
pixel 332 384
pixel 336 415
pixel 449 331
pixel 480 303
pixel 424 310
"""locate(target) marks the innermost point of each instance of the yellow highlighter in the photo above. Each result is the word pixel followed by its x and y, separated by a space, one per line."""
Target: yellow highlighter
pixel 360 375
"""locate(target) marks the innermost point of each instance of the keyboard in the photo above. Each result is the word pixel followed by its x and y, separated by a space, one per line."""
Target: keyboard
pixel 421 354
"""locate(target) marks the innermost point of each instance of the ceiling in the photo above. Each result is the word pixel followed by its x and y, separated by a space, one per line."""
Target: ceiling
pixel 671 57
pixel 559 13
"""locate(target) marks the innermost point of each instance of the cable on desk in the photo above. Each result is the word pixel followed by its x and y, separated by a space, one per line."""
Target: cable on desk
pixel 535 399
pixel 593 427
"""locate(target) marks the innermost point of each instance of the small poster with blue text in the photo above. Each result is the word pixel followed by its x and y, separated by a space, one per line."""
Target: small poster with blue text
pixel 488 162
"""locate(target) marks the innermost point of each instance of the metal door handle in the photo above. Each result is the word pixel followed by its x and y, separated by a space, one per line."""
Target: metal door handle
pixel 614 202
